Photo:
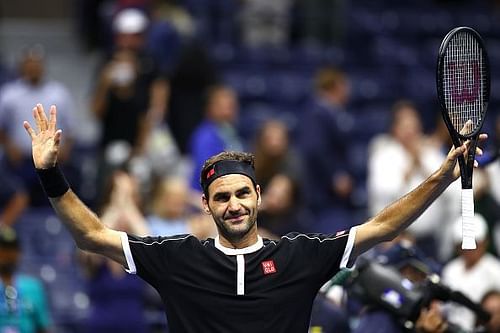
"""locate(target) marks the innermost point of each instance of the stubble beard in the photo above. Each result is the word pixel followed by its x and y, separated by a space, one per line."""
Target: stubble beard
pixel 235 234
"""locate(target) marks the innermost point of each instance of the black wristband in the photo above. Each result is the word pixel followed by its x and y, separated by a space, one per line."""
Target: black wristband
pixel 53 181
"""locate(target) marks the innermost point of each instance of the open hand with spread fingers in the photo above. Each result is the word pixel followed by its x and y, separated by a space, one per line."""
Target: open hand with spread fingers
pixel 46 139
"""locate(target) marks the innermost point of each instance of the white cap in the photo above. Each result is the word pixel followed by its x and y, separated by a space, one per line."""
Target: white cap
pixel 480 225
pixel 130 21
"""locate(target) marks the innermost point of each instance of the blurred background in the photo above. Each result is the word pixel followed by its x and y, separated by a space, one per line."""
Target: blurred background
pixel 337 99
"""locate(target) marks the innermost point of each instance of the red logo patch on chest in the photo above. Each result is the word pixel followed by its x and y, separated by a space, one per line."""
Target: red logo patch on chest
pixel 268 267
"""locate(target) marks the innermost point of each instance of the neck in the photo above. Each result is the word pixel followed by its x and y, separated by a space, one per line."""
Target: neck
pixel 249 239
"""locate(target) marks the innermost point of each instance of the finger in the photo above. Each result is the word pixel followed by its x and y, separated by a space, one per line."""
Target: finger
pixel 483 137
pixel 442 327
pixel 30 130
pixel 458 151
pixel 52 118
pixel 57 138
pixel 36 116
pixel 43 117
pixel 479 151
pixel 467 127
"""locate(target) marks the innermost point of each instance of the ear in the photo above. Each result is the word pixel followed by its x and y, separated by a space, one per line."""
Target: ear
pixel 204 203
pixel 259 197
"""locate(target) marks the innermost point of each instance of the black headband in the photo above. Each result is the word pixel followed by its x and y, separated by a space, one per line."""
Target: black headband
pixel 226 167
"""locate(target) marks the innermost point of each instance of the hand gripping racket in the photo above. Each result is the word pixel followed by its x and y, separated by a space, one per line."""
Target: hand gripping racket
pixel 463 88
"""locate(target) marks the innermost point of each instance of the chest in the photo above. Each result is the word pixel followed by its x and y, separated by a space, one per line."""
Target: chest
pixel 264 274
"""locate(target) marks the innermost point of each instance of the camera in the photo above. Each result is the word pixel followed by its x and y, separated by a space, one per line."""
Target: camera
pixel 384 287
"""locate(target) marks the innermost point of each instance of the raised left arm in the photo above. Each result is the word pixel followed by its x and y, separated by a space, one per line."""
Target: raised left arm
pixel 396 217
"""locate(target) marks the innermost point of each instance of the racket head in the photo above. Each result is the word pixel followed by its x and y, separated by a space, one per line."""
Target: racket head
pixel 463 82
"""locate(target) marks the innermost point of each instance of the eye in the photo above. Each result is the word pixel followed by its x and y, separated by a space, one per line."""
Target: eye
pixel 221 197
pixel 243 193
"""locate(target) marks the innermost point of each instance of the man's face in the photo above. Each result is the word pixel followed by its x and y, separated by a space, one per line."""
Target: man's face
pixel 223 106
pixel 233 203
pixel 407 127
pixel 130 42
pixel 32 69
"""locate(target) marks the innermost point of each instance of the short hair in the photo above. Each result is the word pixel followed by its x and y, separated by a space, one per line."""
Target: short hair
pixel 226 156
pixel 328 78
pixel 401 105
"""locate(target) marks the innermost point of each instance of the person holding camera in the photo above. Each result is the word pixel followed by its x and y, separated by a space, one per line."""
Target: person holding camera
pixel 410 264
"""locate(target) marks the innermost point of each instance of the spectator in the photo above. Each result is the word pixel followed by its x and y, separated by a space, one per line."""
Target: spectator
pixel 412 264
pixel 161 151
pixel 131 94
pixel 217 132
pixel 281 210
pixel 491 303
pixel 473 272
pixel 194 73
pixel 171 212
pixel 274 154
pixel 324 140
pixel 23 307
pixel 16 104
pixel 486 205
pixel 400 160
pixel 152 147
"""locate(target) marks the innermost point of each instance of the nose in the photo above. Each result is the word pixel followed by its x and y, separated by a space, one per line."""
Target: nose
pixel 234 204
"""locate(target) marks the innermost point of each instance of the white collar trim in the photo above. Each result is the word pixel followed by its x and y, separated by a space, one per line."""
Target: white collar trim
pixel 233 252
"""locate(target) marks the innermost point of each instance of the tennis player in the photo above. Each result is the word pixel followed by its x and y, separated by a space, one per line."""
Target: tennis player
pixel 237 282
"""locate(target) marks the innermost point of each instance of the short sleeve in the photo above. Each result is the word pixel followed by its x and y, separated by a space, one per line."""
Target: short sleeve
pixel 148 257
pixel 325 254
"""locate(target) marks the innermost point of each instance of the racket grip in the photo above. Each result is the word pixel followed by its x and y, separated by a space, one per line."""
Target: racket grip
pixel 468 227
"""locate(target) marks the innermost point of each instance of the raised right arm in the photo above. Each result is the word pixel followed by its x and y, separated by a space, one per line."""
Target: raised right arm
pixel 84 225
pixel 86 228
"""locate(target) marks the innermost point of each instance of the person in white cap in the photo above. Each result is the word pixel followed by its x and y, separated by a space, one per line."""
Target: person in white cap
pixel 131 95
pixel 473 272
pixel 129 27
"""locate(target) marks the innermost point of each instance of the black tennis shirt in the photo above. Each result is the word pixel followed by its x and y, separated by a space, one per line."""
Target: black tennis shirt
pixel 267 287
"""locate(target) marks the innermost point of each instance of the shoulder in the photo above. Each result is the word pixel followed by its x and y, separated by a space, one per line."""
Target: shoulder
pixel 12 89
pixel 452 268
pixel 491 262
pixel 313 237
pixel 162 240
pixel 56 87
pixel 204 129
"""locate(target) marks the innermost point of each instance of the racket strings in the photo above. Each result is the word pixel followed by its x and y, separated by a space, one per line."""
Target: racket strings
pixel 464 82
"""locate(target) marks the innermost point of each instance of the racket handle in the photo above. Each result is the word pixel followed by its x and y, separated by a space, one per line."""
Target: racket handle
pixel 468 227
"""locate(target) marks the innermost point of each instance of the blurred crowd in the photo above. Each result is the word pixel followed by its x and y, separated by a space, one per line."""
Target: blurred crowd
pixel 165 101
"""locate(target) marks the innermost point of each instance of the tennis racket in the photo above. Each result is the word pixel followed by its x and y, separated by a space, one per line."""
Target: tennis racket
pixel 463 88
